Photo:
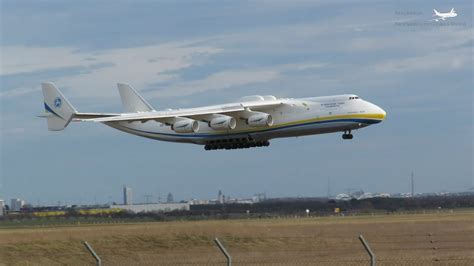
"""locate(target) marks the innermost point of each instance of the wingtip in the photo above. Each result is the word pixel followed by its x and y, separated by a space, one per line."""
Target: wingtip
pixel 123 84
pixel 47 84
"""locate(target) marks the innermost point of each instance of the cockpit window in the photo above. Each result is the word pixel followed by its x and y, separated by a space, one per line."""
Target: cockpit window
pixel 353 98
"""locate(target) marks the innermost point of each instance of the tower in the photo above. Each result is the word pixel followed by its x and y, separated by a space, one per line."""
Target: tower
pixel 170 198
pixel 220 197
pixel 127 195
pixel 412 184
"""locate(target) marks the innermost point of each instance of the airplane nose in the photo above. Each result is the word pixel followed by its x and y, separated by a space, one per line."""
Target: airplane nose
pixel 376 110
pixel 381 112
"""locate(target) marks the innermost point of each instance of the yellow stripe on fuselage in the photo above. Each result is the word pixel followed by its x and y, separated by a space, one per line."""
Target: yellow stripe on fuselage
pixel 325 118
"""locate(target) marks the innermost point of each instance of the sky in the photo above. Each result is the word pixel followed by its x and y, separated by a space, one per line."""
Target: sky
pixel 181 54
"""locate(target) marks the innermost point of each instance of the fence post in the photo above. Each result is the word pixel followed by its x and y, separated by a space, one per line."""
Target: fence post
pixel 224 251
pixel 367 248
pixel 91 250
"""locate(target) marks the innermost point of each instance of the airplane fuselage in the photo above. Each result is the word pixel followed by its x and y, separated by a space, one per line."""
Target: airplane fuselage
pixel 294 117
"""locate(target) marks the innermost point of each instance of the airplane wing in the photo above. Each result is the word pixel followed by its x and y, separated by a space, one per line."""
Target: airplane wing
pixel 238 111
pixel 82 116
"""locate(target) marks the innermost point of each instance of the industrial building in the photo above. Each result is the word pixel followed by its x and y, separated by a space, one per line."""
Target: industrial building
pixel 16 204
pixel 153 207
pixel 2 207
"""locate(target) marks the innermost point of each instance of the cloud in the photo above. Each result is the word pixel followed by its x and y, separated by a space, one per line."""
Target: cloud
pixel 139 66
pixel 18 92
pixel 97 72
pixel 217 81
pixel 23 59
pixel 146 66
pixel 448 60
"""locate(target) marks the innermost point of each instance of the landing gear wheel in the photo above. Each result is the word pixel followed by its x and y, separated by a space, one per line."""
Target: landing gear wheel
pixel 347 135
pixel 236 144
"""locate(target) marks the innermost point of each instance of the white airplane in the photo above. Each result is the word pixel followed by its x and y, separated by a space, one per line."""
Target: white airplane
pixel 250 122
pixel 444 16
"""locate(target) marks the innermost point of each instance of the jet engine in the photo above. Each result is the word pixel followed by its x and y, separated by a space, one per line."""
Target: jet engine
pixel 223 123
pixel 260 120
pixel 185 126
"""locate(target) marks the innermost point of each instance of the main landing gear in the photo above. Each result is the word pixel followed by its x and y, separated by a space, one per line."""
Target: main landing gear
pixel 347 135
pixel 231 144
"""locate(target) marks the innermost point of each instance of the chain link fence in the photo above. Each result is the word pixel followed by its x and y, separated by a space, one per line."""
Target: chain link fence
pixel 429 239
pixel 388 249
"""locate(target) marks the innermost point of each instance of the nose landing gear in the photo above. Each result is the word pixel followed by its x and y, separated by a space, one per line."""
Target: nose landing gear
pixel 347 135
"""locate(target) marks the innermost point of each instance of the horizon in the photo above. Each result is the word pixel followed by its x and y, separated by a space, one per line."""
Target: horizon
pixel 162 198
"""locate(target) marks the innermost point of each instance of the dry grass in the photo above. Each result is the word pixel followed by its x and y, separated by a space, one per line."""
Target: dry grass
pixel 445 239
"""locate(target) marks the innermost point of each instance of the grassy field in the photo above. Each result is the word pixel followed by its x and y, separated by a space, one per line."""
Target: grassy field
pixel 421 239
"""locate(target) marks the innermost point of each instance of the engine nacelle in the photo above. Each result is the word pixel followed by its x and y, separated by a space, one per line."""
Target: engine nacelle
pixel 260 120
pixel 185 126
pixel 223 123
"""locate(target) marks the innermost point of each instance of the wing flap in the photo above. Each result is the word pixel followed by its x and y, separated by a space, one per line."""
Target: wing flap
pixel 90 116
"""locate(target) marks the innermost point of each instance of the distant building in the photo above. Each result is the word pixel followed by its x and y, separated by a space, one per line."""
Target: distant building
pixel 154 207
pixel 199 202
pixel 365 195
pixel 16 204
pixel 2 207
pixel 127 195
pixel 259 197
pixel 343 196
pixel 170 198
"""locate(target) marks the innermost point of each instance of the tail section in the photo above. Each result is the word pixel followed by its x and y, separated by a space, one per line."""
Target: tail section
pixel 59 111
pixel 436 12
pixel 131 100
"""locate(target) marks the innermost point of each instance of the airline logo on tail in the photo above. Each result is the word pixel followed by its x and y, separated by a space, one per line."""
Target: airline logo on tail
pixel 444 16
pixel 57 102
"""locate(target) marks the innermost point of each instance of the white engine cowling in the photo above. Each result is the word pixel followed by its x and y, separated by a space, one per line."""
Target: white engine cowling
pixel 260 120
pixel 186 126
pixel 223 123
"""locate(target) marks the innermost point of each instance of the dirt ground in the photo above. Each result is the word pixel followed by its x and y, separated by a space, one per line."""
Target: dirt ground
pixel 421 239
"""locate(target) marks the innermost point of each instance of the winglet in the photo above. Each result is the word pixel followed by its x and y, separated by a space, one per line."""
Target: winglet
pixel 131 100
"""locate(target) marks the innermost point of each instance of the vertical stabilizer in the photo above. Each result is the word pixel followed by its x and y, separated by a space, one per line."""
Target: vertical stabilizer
pixel 59 111
pixel 131 100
